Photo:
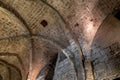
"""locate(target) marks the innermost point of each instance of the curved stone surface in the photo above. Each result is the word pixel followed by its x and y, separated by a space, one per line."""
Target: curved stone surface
pixel 34 12
pixel 10 26
pixel 33 32
pixel 30 40
pixel 14 44
pixel 9 72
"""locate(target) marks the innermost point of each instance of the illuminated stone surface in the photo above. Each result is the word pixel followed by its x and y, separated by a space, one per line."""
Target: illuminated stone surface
pixel 33 34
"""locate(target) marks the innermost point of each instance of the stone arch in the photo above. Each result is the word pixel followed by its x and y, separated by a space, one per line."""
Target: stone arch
pixel 12 72
pixel 33 33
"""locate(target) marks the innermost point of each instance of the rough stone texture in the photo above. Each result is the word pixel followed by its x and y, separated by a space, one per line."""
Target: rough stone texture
pixel 67 69
pixel 32 32
pixel 64 70
pixel 33 12
pixel 31 35
pixel 105 50
pixel 85 16
pixel 14 51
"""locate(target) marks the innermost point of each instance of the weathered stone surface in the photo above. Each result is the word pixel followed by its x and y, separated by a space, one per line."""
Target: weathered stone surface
pixel 31 35
pixel 33 32
pixel 106 57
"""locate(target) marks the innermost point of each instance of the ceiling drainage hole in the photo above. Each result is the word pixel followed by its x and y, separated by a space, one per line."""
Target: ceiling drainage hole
pixel 44 23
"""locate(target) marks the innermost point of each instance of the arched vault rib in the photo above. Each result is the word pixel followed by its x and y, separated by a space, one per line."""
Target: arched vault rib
pixel 66 28
pixel 10 65
pixel 13 54
pixel 34 36
pixel 27 19
pixel 30 35
pixel 12 10
pixel 16 14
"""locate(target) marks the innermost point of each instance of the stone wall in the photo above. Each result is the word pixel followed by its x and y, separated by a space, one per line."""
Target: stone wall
pixel 66 69
pixel 105 51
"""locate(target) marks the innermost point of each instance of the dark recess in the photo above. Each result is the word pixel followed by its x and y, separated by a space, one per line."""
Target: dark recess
pixel 117 79
pixel 117 15
pixel 44 23
pixel 1 77
pixel 62 57
pixel 51 69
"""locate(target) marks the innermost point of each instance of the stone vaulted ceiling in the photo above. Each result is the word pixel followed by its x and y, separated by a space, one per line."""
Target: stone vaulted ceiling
pixel 29 30
pixel 33 31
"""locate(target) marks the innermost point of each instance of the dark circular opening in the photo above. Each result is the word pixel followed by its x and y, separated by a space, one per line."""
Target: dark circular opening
pixel 44 23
